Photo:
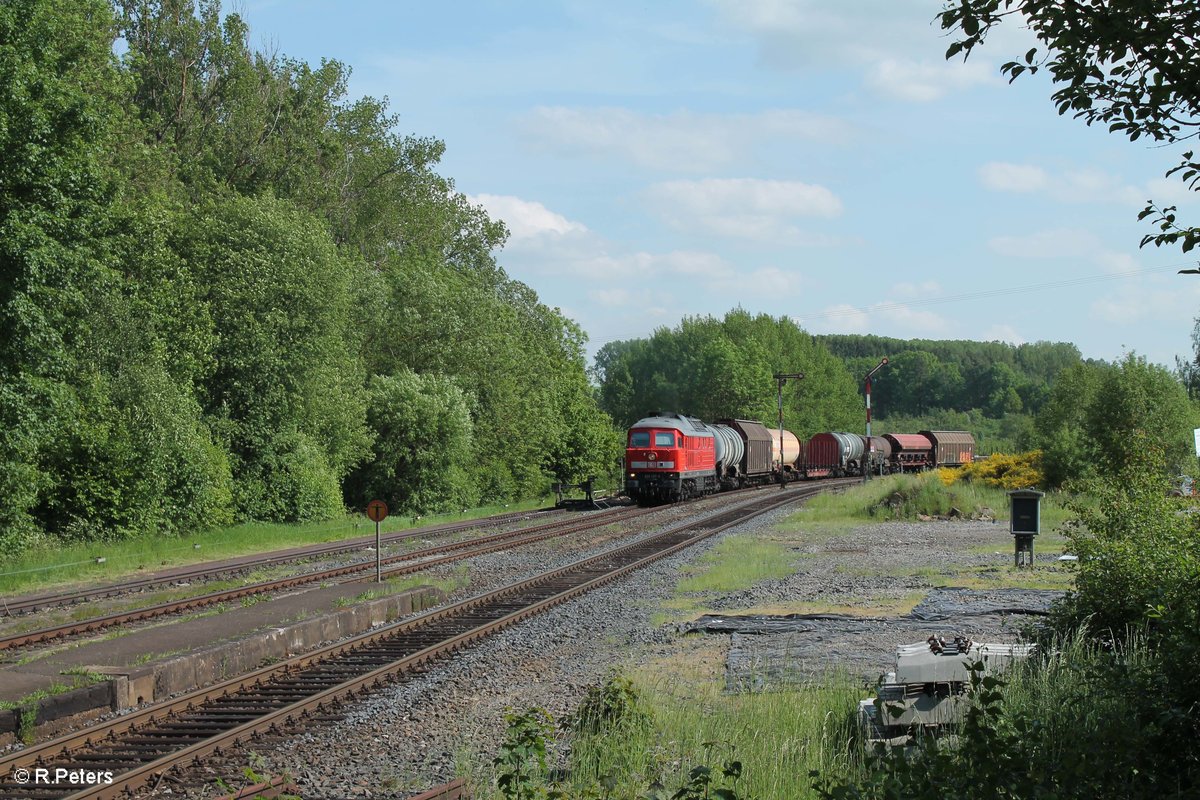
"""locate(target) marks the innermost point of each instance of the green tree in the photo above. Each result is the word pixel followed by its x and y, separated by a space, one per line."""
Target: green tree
pixel 954 374
pixel 423 446
pixel 204 247
pixel 1061 426
pixel 287 392
pixel 1188 371
pixel 1003 398
pixel 59 100
pixel 1100 416
pixel 1126 64
pixel 1139 405
pixel 917 381
pixel 723 368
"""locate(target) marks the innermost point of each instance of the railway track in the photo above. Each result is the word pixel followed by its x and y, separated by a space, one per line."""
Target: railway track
pixel 12 607
pixel 423 559
pixel 132 752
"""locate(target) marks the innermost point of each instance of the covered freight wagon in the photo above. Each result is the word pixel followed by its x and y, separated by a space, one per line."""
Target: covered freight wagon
pixel 951 448
pixel 757 441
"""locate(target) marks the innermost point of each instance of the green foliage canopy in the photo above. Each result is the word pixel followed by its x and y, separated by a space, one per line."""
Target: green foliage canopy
pixel 713 369
pixel 1126 64
pixel 205 251
pixel 1100 418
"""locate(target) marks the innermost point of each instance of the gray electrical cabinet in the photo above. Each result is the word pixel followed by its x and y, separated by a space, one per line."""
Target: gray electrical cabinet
pixel 1025 522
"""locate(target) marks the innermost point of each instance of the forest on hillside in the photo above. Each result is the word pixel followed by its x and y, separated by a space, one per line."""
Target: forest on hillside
pixel 724 367
pixel 1084 416
pixel 231 292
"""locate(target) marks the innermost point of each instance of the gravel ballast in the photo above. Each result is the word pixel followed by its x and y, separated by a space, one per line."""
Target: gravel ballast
pixel 420 732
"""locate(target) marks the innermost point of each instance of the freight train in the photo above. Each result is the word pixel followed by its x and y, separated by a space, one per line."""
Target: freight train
pixel 670 456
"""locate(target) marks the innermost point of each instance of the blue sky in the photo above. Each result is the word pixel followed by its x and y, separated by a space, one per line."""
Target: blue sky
pixel 816 159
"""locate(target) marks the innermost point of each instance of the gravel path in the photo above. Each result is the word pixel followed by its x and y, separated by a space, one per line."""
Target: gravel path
pixel 407 738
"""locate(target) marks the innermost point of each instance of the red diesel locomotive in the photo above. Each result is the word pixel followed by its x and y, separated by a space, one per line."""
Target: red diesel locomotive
pixel 670 457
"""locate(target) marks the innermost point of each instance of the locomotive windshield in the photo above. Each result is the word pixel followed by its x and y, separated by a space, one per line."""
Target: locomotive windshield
pixel 661 439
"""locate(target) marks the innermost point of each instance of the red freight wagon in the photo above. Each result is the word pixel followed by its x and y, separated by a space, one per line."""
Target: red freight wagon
pixel 910 451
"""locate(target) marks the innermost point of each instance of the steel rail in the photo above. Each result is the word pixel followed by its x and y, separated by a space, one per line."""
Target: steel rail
pixel 589 573
pixel 19 605
pixel 454 790
pixel 474 547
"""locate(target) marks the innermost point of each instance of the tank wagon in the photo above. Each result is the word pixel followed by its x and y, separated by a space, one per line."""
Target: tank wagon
pixel 672 456
pixel 833 455
pixel 786 450
pixel 879 455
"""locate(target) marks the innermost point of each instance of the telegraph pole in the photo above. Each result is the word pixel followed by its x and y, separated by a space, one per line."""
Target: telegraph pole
pixel 869 449
pixel 780 379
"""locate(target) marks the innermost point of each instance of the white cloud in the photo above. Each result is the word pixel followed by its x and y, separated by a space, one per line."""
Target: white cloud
pixel 592 258
pixel 610 297
pixel 1169 192
pixel 897 319
pixel 897 47
pixel 1057 243
pixel 839 318
pixel 926 81
pixel 1143 301
pixel 1004 177
pixel 1091 185
pixel 1114 262
pixel 914 322
pixel 1077 186
pixel 1065 243
pixel 914 291
pixel 762 210
pixel 1003 333
pixel 683 140
pixel 765 282
pixel 525 218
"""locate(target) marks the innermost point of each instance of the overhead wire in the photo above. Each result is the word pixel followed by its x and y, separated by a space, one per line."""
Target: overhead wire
pixel 929 301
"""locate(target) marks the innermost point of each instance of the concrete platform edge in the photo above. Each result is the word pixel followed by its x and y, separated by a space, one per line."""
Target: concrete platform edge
pixel 129 687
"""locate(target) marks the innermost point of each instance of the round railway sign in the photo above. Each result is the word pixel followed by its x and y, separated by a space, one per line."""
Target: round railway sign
pixel 377 511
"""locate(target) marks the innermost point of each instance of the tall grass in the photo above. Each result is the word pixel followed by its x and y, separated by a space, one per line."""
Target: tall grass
pixel 779 737
pixel 903 497
pixel 1087 721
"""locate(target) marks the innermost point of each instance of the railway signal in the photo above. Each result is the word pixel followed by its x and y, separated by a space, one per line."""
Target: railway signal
pixel 870 450
pixel 780 379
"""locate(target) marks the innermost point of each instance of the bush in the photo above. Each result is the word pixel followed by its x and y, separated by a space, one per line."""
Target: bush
pixel 608 706
pixel 910 496
pixel 1075 724
pixel 1004 471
